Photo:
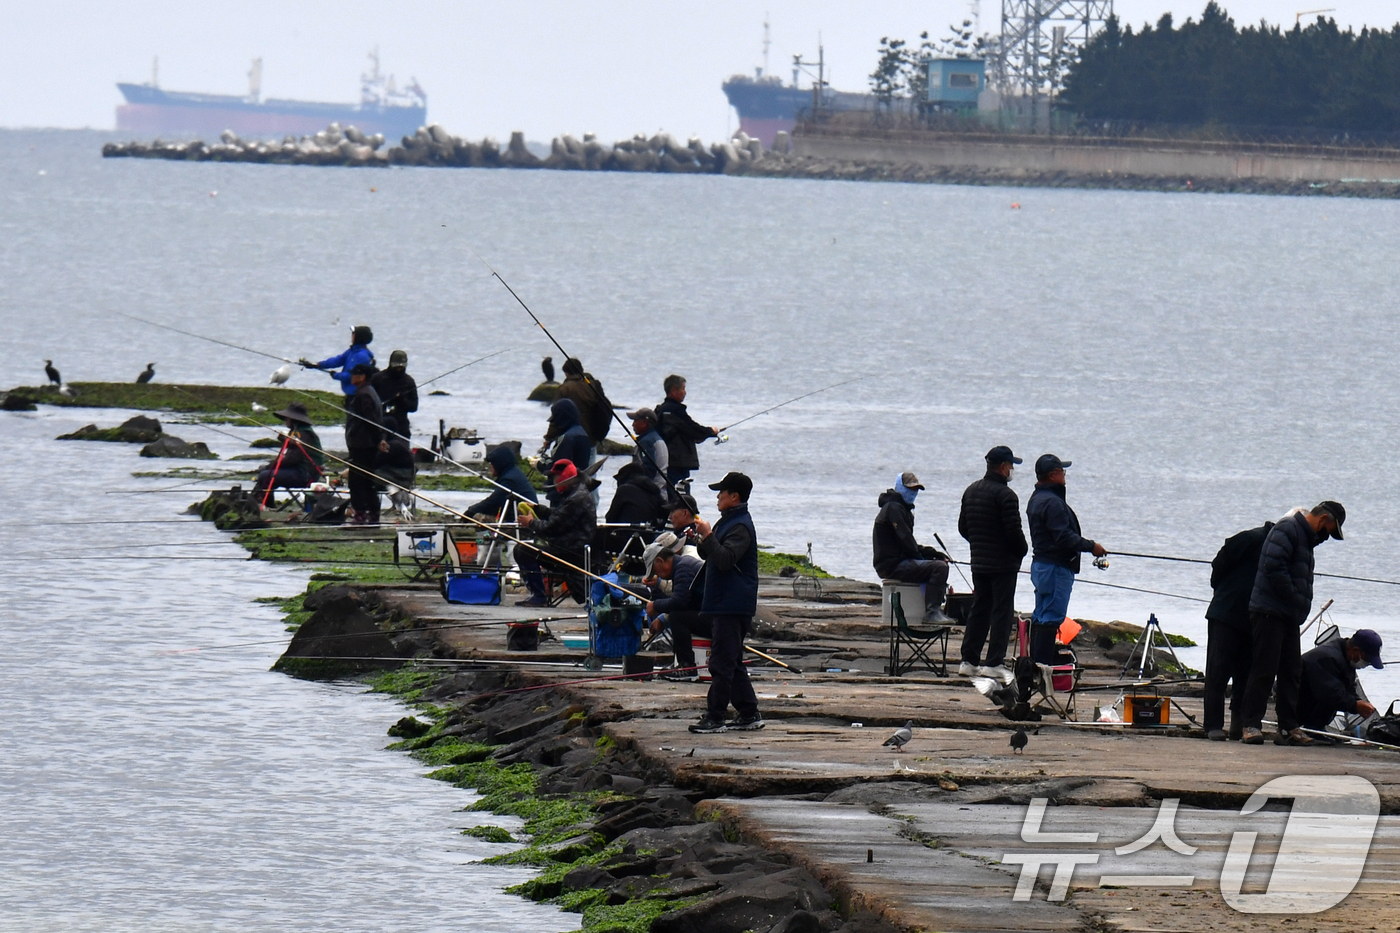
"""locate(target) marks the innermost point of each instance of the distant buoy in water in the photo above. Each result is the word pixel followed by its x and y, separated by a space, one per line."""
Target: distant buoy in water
pixel 213 194
pixel 1015 205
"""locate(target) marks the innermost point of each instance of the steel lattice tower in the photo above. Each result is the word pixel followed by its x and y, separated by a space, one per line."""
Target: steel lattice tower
pixel 1035 35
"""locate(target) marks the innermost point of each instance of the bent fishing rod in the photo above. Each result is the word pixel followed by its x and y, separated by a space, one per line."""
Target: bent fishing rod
pixel 721 438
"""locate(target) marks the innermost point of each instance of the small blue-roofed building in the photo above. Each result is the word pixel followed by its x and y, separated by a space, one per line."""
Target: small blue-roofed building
pixel 955 83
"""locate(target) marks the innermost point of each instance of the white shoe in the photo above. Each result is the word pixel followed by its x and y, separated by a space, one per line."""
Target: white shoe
pixel 967 670
pixel 996 673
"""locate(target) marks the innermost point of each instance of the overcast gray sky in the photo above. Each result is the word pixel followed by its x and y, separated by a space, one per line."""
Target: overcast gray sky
pixel 614 67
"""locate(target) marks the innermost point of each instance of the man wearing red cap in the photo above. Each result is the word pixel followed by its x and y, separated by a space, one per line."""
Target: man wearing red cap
pixel 568 527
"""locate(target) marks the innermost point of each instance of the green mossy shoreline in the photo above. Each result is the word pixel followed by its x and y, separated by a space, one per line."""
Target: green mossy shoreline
pixel 209 403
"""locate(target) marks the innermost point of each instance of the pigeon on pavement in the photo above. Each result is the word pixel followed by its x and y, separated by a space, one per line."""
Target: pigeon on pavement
pixel 901 736
pixel 1019 740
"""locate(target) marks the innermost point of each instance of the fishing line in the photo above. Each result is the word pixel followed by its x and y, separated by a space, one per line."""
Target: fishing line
pixel 954 563
pixel 1197 560
pixel 799 398
pixel 1118 586
pixel 224 343
pixel 464 366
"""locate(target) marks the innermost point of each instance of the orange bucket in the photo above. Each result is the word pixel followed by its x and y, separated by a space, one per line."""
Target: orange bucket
pixel 466 551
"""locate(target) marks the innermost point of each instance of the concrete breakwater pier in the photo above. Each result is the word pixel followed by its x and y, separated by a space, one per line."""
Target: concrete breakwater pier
pixel 834 153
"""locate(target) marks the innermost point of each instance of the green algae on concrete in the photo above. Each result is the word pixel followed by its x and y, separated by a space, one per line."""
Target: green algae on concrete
pixel 210 403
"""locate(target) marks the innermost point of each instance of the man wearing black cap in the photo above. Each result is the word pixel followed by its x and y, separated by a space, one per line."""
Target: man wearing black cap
pixel 1055 548
pixel 651 453
pixel 397 390
pixel 990 520
pixel 1329 679
pixel 1228 648
pixel 364 436
pixel 898 556
pixel 1278 607
pixel 729 600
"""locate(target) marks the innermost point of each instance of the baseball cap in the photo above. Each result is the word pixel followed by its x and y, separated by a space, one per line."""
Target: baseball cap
pixel 1370 644
pixel 654 550
pixel 362 369
pixel 734 482
pixel 645 414
pixel 910 481
pixel 1049 463
pixel 398 358
pixel 1339 514
pixel 687 502
pixel 1002 454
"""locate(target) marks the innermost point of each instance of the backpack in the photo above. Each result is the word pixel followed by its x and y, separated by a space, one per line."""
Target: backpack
pixel 599 417
pixel 1385 729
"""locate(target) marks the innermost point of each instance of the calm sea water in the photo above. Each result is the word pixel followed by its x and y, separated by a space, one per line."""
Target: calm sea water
pixel 1206 361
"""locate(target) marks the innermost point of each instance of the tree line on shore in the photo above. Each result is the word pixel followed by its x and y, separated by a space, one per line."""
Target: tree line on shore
pixel 1209 72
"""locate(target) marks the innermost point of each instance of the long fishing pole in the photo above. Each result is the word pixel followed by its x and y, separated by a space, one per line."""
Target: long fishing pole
pixel 1118 586
pixel 1317 573
pixel 626 429
pixel 225 343
pixel 835 385
pixel 955 564
pixel 465 365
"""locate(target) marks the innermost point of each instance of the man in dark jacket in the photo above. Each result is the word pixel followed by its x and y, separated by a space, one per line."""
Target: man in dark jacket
pixel 568 528
pixel 637 500
pixel 397 390
pixel 1329 679
pixel 1055 548
pixel 898 556
pixel 571 440
pixel 1278 606
pixel 990 520
pixel 585 392
pixel 301 461
pixel 364 436
pixel 729 600
pixel 1228 648
pixel 680 431
pixel 512 486
pixel 681 606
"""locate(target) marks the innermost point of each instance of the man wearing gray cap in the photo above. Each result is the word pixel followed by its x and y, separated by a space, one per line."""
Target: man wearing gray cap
pixel 1278 607
pixel 898 556
pixel 651 454
pixel 397 389
pixel 990 520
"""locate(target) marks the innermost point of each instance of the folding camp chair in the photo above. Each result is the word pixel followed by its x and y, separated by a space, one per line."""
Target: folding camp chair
pixel 1054 685
pixel 920 641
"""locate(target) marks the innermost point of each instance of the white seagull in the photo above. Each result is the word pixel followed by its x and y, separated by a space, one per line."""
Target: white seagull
pixel 259 408
pixel 281 374
pixel 67 391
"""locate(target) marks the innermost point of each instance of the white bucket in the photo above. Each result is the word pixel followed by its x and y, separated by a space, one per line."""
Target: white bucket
pixel 702 656
pixel 464 451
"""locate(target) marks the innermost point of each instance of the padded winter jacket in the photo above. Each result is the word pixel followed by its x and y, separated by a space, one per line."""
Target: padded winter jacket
pixel 990 520
pixel 1283 586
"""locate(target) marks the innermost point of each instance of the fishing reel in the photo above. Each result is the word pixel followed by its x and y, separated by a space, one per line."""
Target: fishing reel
pixel 1101 563
pixel 721 439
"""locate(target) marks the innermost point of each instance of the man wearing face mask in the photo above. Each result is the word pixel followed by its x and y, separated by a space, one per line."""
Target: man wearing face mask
pixel 1278 607
pixel 990 520
pixel 899 557
pixel 1329 678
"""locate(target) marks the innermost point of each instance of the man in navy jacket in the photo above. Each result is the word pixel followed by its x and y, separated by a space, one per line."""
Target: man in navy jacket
pixel 1055 548
pixel 729 600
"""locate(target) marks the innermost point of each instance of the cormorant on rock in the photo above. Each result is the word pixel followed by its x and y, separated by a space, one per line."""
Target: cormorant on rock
pixel 53 375
pixel 547 366
pixel 280 375
pixel 146 374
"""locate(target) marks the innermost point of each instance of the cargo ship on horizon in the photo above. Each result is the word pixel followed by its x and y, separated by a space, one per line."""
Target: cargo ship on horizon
pixel 383 108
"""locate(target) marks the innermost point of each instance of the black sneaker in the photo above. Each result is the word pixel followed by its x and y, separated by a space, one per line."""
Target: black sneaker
pixel 708 726
pixel 745 723
pixel 681 675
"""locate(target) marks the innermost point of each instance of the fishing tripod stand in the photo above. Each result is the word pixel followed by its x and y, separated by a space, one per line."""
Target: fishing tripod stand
pixel 1147 647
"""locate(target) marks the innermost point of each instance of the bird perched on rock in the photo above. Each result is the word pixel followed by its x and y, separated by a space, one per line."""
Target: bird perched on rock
pixel 147 374
pixel 901 736
pixel 52 373
pixel 281 374
pixel 67 391
pixel 547 367
pixel 1019 740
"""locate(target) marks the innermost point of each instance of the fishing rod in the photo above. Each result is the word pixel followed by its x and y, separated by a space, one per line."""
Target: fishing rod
pixel 1317 573
pixel 465 365
pixel 1118 586
pixel 626 429
pixel 946 551
pixel 225 343
pixel 836 385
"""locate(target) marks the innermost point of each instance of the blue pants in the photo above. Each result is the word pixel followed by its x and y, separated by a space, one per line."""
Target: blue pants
pixel 1053 585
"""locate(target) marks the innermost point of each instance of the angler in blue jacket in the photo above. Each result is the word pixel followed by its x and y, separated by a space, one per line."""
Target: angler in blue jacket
pixel 1056 544
pixel 729 600
pixel 360 338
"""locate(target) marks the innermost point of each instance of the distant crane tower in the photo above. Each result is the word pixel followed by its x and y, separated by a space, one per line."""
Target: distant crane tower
pixel 1035 35
pixel 766 42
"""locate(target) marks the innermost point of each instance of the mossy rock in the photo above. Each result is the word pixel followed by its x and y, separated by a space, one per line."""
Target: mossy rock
pixel 489 833
pixel 544 392
pixel 215 403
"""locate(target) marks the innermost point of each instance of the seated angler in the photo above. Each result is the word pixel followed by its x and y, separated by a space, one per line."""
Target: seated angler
pixel 301 462
pixel 514 487
pixel 898 556
pixel 678 610
pixel 567 528
pixel 1329 683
